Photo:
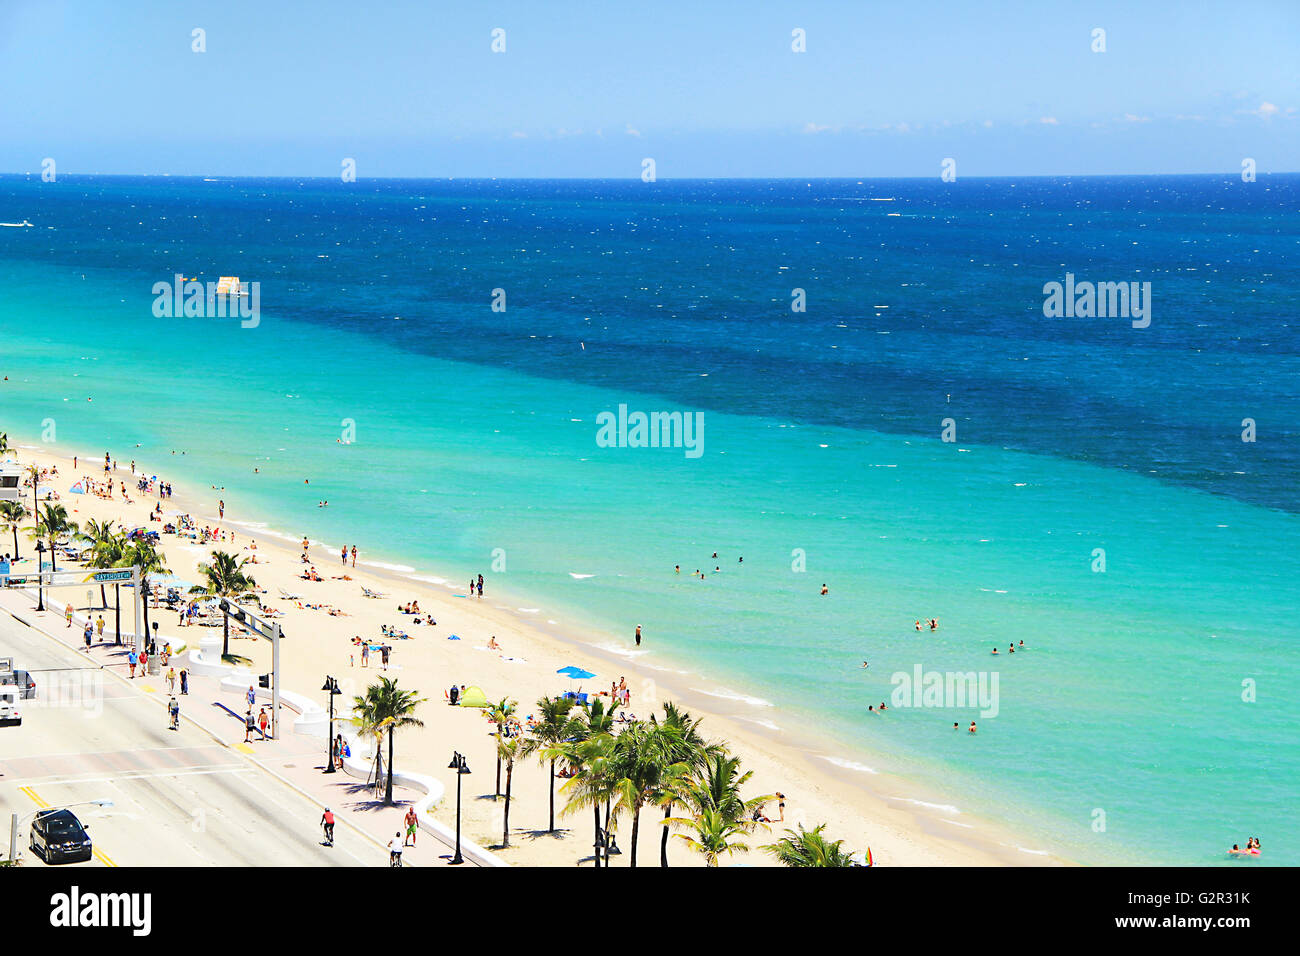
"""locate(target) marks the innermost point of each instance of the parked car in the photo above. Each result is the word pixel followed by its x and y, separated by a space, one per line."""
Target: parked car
pixel 57 836
pixel 10 712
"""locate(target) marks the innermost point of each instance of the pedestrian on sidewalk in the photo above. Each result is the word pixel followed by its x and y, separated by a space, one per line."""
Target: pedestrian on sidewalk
pixel 171 681
pixel 249 726
pixel 131 659
pixel 252 697
pixel 262 722
pixel 99 629
pixel 90 628
pixel 67 613
pixel 144 661
pixel 327 821
pixel 395 850
pixel 185 682
pixel 412 822
pixel 174 711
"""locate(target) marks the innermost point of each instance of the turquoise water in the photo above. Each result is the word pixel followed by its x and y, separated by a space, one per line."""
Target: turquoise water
pixel 480 437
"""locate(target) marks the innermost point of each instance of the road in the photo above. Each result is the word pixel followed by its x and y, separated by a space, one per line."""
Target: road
pixel 179 798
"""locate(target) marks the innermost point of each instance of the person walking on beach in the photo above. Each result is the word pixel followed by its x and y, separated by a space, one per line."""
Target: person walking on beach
pixel 365 654
pixel 781 805
pixel 638 635
pixel 221 509
pixel 383 655
pixel 412 822
pixel 345 555
pixel 327 821
pixel 354 555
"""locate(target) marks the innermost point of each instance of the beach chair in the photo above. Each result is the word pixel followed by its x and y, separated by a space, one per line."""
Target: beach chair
pixel 372 594
pixel 289 597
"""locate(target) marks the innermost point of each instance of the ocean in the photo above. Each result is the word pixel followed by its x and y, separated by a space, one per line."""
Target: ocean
pixel 1096 499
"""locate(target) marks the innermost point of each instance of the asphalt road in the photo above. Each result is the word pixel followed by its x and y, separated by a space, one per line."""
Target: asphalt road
pixel 179 798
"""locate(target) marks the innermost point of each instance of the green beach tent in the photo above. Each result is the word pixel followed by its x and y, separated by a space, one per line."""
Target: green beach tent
pixel 474 697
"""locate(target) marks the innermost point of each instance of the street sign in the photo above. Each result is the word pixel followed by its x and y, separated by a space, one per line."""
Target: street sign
pixel 102 577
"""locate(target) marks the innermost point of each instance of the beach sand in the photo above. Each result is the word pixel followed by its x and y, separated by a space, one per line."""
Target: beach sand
pixel 861 808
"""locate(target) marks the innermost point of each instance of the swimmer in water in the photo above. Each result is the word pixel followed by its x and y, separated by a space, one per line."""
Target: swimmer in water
pixel 995 650
pixel 825 589
pixel 954 726
pixel 677 568
pixel 1011 648
pixel 972 726
pixel 918 625
pixel 866 664
pixel 1022 643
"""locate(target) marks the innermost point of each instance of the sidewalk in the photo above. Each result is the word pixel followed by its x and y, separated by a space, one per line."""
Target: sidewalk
pixel 298 760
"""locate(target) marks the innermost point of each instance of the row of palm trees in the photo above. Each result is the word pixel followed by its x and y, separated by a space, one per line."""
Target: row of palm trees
pixel 664 764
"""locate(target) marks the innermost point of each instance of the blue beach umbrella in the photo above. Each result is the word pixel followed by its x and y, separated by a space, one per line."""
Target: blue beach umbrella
pixel 577 673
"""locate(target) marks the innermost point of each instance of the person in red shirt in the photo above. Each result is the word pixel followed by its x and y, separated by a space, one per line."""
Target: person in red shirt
pixel 327 821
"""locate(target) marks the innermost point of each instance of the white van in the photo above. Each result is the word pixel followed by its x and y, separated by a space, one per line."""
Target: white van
pixel 10 695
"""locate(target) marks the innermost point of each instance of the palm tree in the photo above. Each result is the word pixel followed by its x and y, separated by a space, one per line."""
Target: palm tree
pixel 714 834
pixel 718 788
pixel 588 762
pixel 52 524
pixel 4 442
pixel 679 734
pixel 13 512
pixel 548 737
pixel 142 554
pixel 499 713
pixel 592 784
pixel 644 762
pixel 105 548
pixel 508 751
pixel 385 709
pixel 34 473
pixel 809 848
pixel 225 578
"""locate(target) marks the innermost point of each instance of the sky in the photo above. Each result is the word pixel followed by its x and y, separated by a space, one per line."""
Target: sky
pixel 708 88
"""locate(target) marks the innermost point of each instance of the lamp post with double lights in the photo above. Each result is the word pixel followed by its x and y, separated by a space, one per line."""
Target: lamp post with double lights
pixel 40 579
pixel 332 688
pixel 461 767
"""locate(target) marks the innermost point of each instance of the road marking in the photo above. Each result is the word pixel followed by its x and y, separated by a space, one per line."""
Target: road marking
pixel 101 856
pixel 141 775
pixel 245 749
pixel 34 798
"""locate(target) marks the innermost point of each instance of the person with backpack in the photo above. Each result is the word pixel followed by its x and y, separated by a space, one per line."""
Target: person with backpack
pixel 174 711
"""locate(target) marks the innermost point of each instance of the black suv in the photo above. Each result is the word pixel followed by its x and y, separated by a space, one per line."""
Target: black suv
pixel 59 837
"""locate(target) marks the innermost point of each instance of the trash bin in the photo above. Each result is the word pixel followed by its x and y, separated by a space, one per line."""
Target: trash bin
pixel 155 665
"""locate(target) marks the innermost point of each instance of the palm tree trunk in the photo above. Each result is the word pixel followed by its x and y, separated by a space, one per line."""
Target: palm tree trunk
pixel 505 837
pixel 15 540
pixel 103 596
pixel 636 825
pixel 225 634
pixel 53 566
pixel 498 793
pixel 596 838
pixel 140 639
pixel 552 824
pixel 388 792
pixel 663 840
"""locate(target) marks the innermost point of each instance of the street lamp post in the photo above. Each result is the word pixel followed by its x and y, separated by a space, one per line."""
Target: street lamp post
pixel 40 580
pixel 461 767
pixel 332 688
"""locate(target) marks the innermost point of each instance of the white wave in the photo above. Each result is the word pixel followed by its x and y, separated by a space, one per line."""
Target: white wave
pixel 849 764
pixel 402 568
pixel 945 807
pixel 621 650
pixel 427 579
pixel 528 610
pixel 579 577
pixel 758 720
pixel 968 826
pixel 726 694
pixel 1025 849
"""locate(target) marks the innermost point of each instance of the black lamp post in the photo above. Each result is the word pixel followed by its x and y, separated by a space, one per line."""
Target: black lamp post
pixel 153 647
pixel 332 688
pixel 611 845
pixel 40 580
pixel 461 767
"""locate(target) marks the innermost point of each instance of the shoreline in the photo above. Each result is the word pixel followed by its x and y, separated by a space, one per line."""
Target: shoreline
pixel 902 822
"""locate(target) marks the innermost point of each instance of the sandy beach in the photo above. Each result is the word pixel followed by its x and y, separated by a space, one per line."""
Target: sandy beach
pixel 901 825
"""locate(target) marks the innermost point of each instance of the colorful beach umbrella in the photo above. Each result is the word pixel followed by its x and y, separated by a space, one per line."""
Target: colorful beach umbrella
pixel 77 489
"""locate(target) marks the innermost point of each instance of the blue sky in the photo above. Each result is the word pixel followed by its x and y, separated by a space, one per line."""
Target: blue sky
pixel 589 88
